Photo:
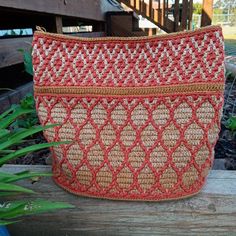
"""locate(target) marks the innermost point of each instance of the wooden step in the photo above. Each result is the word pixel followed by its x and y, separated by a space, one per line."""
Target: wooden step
pixel 158 13
pixel 123 24
pixel 211 212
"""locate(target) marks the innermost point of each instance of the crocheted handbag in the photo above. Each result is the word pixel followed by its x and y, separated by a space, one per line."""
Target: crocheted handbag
pixel 142 113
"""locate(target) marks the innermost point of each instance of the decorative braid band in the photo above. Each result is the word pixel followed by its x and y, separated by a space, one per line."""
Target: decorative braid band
pixel 139 91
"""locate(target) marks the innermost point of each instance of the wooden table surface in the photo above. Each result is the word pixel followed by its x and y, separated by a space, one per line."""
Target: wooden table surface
pixel 212 212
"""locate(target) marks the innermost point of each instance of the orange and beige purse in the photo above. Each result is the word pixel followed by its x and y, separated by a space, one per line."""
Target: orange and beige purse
pixel 142 113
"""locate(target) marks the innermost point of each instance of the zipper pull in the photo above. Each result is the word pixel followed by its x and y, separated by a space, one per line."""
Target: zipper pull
pixel 40 28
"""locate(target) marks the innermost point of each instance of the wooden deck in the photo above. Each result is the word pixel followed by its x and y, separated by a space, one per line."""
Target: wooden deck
pixel 212 212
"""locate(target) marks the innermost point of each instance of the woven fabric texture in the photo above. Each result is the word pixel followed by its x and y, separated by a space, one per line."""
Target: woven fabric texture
pixel 142 114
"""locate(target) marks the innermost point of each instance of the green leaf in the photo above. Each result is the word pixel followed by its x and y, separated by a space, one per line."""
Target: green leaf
pixel 17 209
pixel 8 178
pixel 5 138
pixel 28 102
pixel 6 194
pixel 5 176
pixel 14 188
pixel 231 123
pixel 4 114
pixel 4 132
pixel 6 151
pixel 29 149
pixel 6 121
pixel 27 61
pixel 18 136
pixel 7 222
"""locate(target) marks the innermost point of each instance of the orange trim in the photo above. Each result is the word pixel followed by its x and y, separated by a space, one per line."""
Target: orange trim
pixel 91 195
pixel 122 91
pixel 131 39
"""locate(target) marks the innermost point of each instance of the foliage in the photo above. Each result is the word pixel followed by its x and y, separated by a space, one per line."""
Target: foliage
pixel 11 211
pixel 231 123
pixel 218 11
pixel 26 120
pixel 197 8
pixel 27 61
pixel 225 4
pixel 229 118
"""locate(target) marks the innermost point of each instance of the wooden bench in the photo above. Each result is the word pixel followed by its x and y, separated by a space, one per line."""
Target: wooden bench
pixel 212 212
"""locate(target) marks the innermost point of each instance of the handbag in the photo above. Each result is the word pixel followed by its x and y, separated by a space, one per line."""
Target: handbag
pixel 142 114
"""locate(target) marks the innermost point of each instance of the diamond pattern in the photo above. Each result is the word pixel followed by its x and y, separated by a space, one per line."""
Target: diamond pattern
pixel 144 63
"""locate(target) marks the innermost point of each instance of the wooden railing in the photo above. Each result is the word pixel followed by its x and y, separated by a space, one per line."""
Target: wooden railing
pixel 169 17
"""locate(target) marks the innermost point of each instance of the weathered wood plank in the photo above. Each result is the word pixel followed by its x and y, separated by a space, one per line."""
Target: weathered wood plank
pixel 137 5
pixel 9 54
pixel 185 12
pixel 90 34
pixel 58 24
pixel 190 16
pixel 176 16
pixel 169 24
pixel 163 7
pixel 88 9
pixel 212 212
pixel 14 97
pixel 207 12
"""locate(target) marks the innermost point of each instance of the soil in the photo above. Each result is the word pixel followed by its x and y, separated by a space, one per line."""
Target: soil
pixel 226 145
pixel 41 157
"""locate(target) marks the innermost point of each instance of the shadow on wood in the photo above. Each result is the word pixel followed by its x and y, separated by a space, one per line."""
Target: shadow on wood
pixel 212 212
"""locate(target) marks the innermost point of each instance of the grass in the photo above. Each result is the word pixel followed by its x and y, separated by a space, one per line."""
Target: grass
pixel 230 40
pixel 230 45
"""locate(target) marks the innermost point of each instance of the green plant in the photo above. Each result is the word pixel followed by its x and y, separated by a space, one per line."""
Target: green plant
pixel 26 120
pixel 12 211
pixel 231 123
pixel 197 8
pixel 27 60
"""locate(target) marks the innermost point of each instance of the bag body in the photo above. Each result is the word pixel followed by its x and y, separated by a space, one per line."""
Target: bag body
pixel 142 113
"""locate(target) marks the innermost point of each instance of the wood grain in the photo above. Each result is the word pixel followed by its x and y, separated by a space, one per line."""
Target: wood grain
pixel 212 212
pixel 207 12
pixel 87 9
pixel 9 54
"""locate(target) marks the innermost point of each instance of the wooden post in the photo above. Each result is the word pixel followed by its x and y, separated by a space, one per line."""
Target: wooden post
pixel 137 5
pixel 176 16
pixel 184 15
pixel 207 12
pixel 147 8
pixel 56 25
pixel 155 15
pixel 150 9
pixel 159 10
pixel 190 16
pixel 163 13
pixel 98 26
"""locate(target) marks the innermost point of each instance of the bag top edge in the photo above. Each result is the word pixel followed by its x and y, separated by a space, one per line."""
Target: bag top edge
pixel 126 39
